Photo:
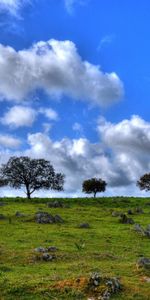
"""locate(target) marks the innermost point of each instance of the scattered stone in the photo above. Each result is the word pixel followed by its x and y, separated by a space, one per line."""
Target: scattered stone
pixel 84 225
pixel 2 217
pixel 40 250
pixel 47 257
pixel 138 228
pixel 103 287
pixel 46 218
pixel 55 204
pixel 19 214
pixel 144 263
pixel 58 219
pixel 125 220
pixel 52 249
pixel 115 214
pixel 130 212
pixel 139 210
pixel 147 231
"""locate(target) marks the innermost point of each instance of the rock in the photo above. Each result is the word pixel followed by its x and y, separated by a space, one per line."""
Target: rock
pixel 84 225
pixel 106 286
pixel 2 204
pixel 52 249
pixel 115 214
pixel 144 263
pixel 44 218
pixel 139 210
pixel 55 204
pixel 2 217
pixel 147 231
pixel 58 219
pixel 130 212
pixel 95 280
pixel 19 214
pixel 40 250
pixel 138 228
pixel 125 220
pixel 47 257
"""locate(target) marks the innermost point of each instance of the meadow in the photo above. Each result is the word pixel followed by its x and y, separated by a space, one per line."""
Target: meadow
pixel 107 247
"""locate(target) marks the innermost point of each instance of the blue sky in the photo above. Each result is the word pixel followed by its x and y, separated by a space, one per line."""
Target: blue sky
pixel 75 88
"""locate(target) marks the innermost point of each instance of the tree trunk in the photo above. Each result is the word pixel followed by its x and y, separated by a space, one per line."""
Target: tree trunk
pixel 28 192
pixel 94 194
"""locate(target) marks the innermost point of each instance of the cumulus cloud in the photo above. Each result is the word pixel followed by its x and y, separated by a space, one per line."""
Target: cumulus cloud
pixel 57 68
pixel 129 140
pixel 49 113
pixel 18 116
pixel 8 141
pixel 120 157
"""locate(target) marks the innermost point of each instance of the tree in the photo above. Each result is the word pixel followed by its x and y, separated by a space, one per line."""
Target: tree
pixel 93 185
pixel 144 182
pixel 33 174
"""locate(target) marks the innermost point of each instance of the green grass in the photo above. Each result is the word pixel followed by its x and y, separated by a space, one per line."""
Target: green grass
pixel 107 247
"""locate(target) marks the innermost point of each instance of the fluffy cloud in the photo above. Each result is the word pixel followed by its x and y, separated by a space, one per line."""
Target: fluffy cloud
pixel 19 116
pixel 120 157
pixel 57 68
pixel 8 141
pixel 49 113
pixel 129 140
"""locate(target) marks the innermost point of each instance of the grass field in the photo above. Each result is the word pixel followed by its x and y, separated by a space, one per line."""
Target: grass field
pixel 108 247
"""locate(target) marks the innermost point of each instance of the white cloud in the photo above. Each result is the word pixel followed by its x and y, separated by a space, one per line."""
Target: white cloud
pixel 19 116
pixel 106 40
pixel 12 6
pixel 57 68
pixel 49 113
pixel 120 157
pixel 9 141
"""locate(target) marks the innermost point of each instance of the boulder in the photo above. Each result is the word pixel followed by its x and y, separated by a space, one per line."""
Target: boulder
pixel 130 212
pixel 144 263
pixel 58 219
pixel 2 217
pixel 139 210
pixel 125 220
pixel 47 257
pixel 19 214
pixel 84 225
pixel 52 249
pixel 138 228
pixel 40 250
pixel 115 214
pixel 44 218
pixel 55 204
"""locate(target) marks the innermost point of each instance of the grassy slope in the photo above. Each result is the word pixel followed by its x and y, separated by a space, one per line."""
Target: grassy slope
pixel 109 247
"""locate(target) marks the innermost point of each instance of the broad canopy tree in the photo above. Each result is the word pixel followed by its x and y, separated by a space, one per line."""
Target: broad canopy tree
pixel 93 185
pixel 144 182
pixel 33 174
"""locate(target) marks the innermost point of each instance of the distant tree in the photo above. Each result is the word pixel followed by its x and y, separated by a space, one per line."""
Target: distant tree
pixel 94 185
pixel 33 174
pixel 144 182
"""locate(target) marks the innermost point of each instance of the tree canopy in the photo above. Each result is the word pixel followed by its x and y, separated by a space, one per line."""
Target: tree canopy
pixel 93 185
pixel 144 182
pixel 33 174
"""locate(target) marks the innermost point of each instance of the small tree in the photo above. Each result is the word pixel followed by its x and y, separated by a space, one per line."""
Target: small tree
pixel 144 182
pixel 33 174
pixel 94 185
